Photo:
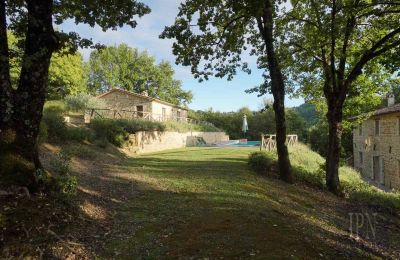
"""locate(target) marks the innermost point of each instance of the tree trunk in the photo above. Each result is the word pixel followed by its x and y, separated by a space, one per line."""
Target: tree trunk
pixel 20 160
pixel 5 83
pixel 278 91
pixel 334 116
pixel 41 42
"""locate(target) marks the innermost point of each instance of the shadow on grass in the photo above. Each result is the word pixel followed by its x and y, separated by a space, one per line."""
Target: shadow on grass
pixel 196 203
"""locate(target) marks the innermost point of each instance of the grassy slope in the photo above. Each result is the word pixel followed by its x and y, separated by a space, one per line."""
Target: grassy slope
pixel 205 202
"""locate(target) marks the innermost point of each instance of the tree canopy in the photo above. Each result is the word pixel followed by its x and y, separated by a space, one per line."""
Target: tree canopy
pixel 128 68
pixel 32 22
pixel 67 71
pixel 336 45
pixel 212 36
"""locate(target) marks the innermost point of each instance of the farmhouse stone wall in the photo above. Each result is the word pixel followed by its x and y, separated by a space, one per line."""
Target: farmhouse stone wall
pixel 382 141
pixel 153 141
pixel 120 100
pixel 170 111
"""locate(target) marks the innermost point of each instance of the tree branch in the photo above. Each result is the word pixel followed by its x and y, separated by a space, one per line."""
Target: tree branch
pixel 377 49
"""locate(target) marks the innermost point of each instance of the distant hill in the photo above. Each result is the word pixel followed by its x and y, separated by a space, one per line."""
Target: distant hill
pixel 308 113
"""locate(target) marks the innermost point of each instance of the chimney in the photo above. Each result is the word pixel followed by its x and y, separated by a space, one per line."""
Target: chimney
pixel 390 99
pixel 145 93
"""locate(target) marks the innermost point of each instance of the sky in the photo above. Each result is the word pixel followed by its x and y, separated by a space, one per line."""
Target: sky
pixel 218 94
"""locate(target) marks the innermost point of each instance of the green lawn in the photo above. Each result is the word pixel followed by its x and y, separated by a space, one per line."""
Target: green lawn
pixel 194 203
pixel 206 203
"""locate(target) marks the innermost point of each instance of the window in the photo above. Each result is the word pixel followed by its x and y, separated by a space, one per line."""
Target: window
pixel 360 130
pixel 178 115
pixel 139 110
pixel 361 159
pixel 377 126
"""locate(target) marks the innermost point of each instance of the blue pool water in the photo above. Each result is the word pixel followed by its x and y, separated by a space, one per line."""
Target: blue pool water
pixel 248 144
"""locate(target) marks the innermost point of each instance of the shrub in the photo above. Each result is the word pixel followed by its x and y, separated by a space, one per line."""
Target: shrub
pixel 64 181
pixel 117 131
pixel 105 129
pixel 54 123
pixel 79 134
pixel 186 127
pixel 80 102
pixel 309 167
pixel 261 162
pixel 57 106
pixel 311 176
pixel 54 128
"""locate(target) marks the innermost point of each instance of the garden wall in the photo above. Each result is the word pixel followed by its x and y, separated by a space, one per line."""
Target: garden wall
pixel 153 141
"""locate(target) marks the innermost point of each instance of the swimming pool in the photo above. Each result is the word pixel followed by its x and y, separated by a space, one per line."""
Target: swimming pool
pixel 247 144
pixel 237 143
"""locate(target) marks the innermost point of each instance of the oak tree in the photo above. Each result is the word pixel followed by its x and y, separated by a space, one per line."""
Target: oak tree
pixel 211 37
pixel 129 69
pixel 32 21
pixel 334 42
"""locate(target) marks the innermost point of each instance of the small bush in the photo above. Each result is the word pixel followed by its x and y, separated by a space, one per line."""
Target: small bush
pixel 309 167
pixel 54 128
pixel 105 129
pixel 79 134
pixel 80 102
pixel 57 106
pixel 64 181
pixel 186 127
pixel 314 177
pixel 55 125
pixel 261 162
pixel 117 131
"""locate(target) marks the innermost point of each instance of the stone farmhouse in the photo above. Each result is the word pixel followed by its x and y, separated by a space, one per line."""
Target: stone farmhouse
pixel 126 104
pixel 376 146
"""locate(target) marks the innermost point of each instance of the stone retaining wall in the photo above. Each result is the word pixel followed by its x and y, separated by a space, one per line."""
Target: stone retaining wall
pixel 153 141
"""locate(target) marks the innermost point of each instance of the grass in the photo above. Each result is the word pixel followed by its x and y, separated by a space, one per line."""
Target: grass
pixel 187 127
pixel 204 203
pixel 310 167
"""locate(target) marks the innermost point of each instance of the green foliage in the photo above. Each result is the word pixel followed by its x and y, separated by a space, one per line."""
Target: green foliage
pixel 56 127
pixel 309 167
pixel 259 122
pixel 117 131
pixel 186 127
pixel 308 112
pixel 67 73
pixel 215 48
pixel 90 12
pixel 64 181
pixel 318 140
pixel 78 134
pixel 262 162
pixel 126 68
pixel 57 106
pixel 80 102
